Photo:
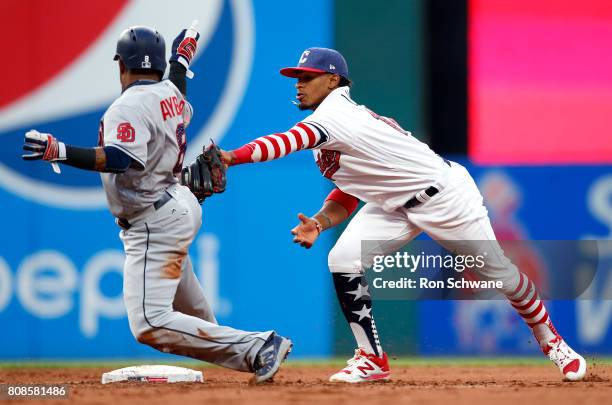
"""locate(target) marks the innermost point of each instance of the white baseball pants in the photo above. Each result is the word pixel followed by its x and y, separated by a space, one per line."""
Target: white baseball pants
pixel 455 217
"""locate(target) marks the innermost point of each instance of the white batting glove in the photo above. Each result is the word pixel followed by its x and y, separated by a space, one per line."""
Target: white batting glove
pixel 45 147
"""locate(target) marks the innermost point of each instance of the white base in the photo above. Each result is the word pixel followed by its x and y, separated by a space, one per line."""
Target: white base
pixel 153 373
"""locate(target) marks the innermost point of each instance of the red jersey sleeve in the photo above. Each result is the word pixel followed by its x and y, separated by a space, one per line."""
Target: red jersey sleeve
pixel 348 201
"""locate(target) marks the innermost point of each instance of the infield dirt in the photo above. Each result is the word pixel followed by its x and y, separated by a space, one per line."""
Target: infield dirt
pixel 301 384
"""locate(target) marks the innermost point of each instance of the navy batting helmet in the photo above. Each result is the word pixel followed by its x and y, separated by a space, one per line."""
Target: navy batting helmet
pixel 142 47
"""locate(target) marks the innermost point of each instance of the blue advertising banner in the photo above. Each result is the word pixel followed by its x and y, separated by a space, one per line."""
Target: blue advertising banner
pixel 60 255
pixel 61 259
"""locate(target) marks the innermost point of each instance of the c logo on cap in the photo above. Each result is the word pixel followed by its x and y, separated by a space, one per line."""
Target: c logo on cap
pixel 304 57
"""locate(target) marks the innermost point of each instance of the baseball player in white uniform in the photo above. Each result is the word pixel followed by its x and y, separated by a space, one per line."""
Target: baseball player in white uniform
pixel 407 189
pixel 140 153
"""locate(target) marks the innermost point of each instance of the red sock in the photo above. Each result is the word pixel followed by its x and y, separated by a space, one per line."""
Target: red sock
pixel 526 300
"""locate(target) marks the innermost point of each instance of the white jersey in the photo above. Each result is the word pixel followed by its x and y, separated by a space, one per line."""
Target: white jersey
pixel 372 157
pixel 148 123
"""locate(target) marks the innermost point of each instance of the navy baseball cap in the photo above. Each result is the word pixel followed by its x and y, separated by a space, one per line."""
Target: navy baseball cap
pixel 320 60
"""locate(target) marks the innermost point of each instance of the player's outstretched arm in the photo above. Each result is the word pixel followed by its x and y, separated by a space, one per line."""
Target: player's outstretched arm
pixel 337 208
pixel 304 135
pixel 101 159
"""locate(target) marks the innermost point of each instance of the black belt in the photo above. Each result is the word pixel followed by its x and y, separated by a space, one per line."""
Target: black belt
pixel 125 224
pixel 430 191
pixel 413 202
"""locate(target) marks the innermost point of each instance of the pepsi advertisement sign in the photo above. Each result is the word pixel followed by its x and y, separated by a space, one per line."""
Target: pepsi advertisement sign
pixel 61 258
pixel 69 101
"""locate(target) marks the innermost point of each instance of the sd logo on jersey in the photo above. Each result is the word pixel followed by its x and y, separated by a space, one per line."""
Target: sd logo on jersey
pixel 65 78
pixel 126 132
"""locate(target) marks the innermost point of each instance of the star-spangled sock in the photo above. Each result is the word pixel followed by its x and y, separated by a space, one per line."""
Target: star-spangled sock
pixel 356 303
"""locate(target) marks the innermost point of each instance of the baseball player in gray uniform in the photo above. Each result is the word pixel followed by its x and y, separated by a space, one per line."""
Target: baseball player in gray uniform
pixel 140 154
pixel 408 189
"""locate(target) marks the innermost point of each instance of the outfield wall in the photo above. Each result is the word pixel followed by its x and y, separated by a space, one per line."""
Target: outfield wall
pixel 61 259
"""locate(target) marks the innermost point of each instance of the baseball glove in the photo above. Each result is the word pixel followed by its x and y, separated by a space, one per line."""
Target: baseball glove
pixel 206 175
pixel 212 156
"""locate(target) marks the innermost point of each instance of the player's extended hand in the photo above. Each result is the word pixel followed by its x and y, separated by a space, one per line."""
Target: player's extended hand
pixel 227 157
pixel 307 231
pixel 185 46
pixel 43 146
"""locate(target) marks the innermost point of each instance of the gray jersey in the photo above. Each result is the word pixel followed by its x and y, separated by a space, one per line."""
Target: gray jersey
pixel 147 122
pixel 165 303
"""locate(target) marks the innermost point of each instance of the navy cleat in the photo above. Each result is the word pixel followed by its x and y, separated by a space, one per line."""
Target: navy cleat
pixel 269 358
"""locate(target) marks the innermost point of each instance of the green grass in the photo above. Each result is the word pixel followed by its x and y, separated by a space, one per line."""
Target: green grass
pixel 108 364
pixel 334 362
pixel 450 361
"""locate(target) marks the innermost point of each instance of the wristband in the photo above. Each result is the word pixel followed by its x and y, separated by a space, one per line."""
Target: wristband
pixel 318 225
pixel 61 153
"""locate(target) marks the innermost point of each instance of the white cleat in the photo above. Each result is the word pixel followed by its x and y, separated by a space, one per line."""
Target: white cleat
pixel 363 367
pixel 571 364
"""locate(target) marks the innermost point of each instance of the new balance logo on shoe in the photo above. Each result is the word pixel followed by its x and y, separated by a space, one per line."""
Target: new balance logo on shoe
pixel 363 367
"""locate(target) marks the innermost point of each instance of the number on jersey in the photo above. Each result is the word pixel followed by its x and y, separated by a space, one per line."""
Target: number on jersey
pixel 181 139
pixel 389 121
